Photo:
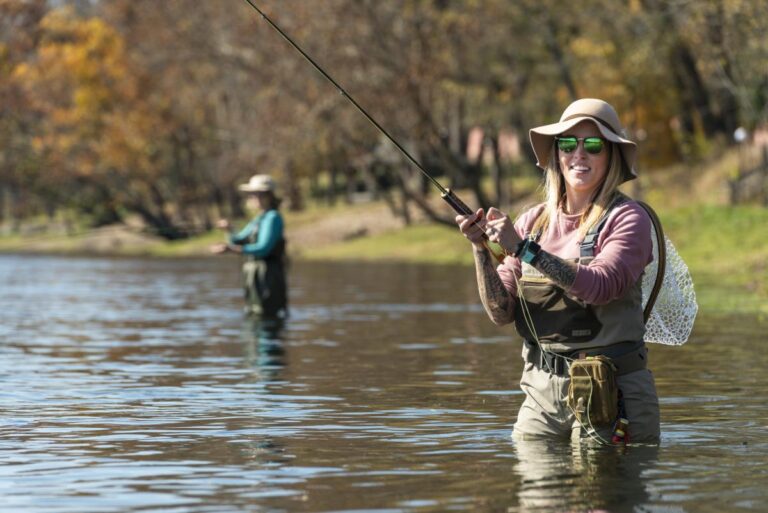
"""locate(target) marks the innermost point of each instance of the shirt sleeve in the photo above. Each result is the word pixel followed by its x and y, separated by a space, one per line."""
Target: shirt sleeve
pixel 270 228
pixel 622 252
pixel 243 235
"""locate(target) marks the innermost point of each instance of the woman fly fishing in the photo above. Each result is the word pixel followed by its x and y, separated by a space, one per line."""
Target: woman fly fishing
pixel 571 284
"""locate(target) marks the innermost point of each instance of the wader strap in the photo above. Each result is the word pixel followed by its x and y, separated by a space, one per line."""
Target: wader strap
pixel 587 248
pixel 631 362
pixel 628 357
pixel 590 239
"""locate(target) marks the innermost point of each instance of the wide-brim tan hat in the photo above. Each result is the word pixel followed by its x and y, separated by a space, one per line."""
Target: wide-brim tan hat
pixel 258 183
pixel 603 115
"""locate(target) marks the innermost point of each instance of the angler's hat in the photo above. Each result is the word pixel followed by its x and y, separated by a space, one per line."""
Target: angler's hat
pixel 258 183
pixel 607 121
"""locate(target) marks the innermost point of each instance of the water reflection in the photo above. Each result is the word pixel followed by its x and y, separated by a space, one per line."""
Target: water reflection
pixel 559 476
pixel 264 347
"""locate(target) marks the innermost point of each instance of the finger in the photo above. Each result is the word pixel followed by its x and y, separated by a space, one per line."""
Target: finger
pixel 498 215
pixel 496 225
pixel 480 219
pixel 474 219
pixel 494 213
pixel 464 219
pixel 471 230
pixel 467 228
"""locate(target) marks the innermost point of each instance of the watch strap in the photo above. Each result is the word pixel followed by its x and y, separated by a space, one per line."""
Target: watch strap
pixel 530 252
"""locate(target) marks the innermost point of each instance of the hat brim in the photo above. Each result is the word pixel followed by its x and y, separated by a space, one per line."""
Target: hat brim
pixel 249 188
pixel 543 137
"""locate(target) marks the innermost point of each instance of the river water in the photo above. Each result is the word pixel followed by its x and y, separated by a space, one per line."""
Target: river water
pixel 136 385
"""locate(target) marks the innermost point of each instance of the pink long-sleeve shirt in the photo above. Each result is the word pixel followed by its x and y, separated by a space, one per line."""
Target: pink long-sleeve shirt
pixel 622 251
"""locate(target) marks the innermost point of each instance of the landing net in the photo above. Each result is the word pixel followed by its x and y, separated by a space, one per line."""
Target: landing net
pixel 672 317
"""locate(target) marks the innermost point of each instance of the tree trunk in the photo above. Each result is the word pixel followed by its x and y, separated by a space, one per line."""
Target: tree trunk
pixel 156 218
pixel 728 118
pixel 497 169
pixel 551 34
pixel 293 191
pixel 331 192
pixel 694 96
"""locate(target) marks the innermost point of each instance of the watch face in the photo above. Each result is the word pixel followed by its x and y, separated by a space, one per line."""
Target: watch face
pixel 528 256
pixel 530 252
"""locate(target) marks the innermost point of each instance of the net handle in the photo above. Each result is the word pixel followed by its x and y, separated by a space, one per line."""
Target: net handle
pixel 661 264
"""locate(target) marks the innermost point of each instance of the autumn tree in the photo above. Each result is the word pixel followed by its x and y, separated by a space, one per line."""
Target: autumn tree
pixel 19 33
pixel 162 108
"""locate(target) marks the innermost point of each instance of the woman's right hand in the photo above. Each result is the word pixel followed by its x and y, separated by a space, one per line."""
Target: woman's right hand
pixel 218 249
pixel 471 226
pixel 223 224
pixel 496 225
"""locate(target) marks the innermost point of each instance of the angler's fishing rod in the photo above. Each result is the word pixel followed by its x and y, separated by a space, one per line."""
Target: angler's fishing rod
pixel 449 196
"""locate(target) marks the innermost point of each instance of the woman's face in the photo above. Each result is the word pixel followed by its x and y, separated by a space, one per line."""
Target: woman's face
pixel 584 172
pixel 257 201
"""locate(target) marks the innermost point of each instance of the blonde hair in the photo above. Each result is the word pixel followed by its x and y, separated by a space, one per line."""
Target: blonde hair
pixel 554 192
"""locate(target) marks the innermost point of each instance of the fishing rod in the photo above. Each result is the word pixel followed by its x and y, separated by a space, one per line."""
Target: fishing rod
pixel 446 193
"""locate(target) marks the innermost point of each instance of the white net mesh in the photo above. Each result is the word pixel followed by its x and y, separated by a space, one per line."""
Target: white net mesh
pixel 675 309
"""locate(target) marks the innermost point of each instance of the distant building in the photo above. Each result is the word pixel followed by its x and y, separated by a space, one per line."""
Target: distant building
pixel 509 146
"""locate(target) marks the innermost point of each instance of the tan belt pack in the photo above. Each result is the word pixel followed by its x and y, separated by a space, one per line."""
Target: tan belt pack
pixel 593 394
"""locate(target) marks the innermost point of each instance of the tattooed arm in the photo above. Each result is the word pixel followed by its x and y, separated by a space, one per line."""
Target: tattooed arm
pixel 498 302
pixel 560 271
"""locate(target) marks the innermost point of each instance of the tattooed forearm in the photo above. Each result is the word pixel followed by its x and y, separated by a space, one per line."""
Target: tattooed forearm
pixel 556 269
pixel 497 301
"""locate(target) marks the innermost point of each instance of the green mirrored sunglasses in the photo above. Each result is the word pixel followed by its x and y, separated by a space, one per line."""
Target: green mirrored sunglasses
pixel 593 145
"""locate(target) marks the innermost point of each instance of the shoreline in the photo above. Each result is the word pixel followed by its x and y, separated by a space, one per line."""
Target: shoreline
pixel 699 232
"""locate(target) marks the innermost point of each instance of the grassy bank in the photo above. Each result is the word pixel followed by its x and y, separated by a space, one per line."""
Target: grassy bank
pixel 727 253
pixel 724 247
pixel 430 243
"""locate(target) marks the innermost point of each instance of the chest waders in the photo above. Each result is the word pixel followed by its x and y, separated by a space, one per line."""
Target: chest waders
pixel 594 343
pixel 264 283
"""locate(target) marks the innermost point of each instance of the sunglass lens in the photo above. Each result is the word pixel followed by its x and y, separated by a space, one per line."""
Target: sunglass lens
pixel 567 144
pixel 593 145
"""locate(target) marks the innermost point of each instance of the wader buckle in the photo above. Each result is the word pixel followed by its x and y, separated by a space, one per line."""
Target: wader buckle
pixel 553 362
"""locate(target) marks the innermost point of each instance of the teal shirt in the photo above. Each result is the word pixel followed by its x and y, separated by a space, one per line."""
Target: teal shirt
pixel 269 230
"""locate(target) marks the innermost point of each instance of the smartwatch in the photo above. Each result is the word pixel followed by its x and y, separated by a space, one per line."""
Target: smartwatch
pixel 528 251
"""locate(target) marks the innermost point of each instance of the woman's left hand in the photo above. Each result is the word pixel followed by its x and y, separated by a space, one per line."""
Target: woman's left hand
pixel 500 230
